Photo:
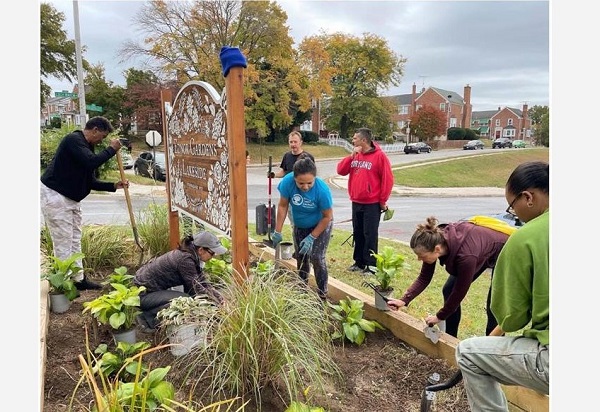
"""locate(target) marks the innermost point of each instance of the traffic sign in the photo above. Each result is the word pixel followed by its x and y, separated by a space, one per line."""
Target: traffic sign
pixel 153 138
pixel 92 107
pixel 64 94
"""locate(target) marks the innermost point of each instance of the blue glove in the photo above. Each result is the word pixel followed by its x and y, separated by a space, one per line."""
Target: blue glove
pixel 276 237
pixel 306 245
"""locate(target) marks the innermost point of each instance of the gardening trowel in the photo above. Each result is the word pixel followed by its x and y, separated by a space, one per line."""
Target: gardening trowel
pixel 433 332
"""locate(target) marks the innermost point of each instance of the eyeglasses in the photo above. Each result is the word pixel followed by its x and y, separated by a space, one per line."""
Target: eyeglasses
pixel 510 209
pixel 209 251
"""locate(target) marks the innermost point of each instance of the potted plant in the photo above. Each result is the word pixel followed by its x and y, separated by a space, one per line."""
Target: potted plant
pixel 185 321
pixel 388 265
pixel 62 287
pixel 117 309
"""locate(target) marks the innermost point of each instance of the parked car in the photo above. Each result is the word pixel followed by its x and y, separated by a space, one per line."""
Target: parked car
pixel 502 143
pixel 418 147
pixel 473 145
pixel 518 144
pixel 127 159
pixel 146 165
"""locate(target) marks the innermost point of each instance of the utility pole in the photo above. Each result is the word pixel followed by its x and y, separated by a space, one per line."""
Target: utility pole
pixel 81 86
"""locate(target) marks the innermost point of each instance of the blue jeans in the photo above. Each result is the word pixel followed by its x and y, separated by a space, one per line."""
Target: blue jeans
pixel 489 361
pixel 316 258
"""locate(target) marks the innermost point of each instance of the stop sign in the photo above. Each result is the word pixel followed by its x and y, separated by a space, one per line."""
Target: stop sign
pixel 153 138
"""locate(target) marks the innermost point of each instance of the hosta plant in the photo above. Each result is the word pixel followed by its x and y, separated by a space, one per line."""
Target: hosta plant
pixel 59 275
pixel 350 322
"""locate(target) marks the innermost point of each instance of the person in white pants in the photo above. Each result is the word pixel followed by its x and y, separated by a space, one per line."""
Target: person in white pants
pixel 67 180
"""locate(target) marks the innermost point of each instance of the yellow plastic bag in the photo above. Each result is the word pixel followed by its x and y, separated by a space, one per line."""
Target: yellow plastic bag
pixel 493 223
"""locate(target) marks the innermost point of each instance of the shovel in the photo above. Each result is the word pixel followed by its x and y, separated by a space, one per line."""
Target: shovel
pixel 129 207
pixel 268 241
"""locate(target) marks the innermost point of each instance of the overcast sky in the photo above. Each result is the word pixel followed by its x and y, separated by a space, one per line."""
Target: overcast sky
pixel 499 48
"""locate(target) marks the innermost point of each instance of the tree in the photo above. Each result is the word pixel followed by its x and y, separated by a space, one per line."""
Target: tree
pixel 142 100
pixel 357 69
pixel 57 53
pixel 540 121
pixel 105 94
pixel 184 38
pixel 427 123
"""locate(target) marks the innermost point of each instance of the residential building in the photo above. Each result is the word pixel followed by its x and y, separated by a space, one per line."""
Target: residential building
pixel 512 123
pixel 480 122
pixel 458 109
pixel 63 107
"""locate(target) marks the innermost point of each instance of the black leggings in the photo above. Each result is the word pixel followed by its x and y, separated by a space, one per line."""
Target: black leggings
pixel 454 319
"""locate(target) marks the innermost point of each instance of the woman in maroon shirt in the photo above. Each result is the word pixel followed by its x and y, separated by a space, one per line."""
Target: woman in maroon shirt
pixel 466 250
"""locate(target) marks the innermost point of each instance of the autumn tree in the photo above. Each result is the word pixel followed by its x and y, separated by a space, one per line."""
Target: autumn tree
pixel 142 100
pixel 358 68
pixel 427 123
pixel 540 121
pixel 184 38
pixel 57 53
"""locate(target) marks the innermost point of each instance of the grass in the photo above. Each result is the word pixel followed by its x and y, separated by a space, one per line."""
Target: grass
pixel 485 170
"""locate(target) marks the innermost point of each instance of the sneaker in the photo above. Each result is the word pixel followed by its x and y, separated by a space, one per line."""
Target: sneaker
pixel 355 268
pixel 87 285
pixel 141 322
pixel 367 271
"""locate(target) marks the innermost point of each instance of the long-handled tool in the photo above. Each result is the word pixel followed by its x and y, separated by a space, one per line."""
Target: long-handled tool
pixel 129 207
pixel 430 390
pixel 268 241
pixel 372 286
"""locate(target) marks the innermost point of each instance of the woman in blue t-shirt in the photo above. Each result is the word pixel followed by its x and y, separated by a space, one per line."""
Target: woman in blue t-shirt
pixel 310 200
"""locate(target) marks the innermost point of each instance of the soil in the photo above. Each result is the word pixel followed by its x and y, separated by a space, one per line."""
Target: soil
pixel 383 374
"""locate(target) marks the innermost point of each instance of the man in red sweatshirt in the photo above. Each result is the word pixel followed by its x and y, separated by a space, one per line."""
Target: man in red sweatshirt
pixel 370 184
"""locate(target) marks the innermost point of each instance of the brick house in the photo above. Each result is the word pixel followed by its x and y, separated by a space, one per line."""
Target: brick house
pixel 480 121
pixel 458 109
pixel 512 123
pixel 66 108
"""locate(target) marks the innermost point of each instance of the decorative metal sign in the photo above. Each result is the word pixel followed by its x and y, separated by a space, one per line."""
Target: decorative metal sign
pixel 198 156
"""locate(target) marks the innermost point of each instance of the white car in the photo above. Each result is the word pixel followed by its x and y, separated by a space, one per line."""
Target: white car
pixel 127 160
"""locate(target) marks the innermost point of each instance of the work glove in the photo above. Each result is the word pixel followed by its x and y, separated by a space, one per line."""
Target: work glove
pixel 306 245
pixel 270 175
pixel 388 214
pixel 276 237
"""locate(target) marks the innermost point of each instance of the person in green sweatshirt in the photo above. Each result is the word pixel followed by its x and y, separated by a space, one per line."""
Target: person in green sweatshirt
pixel 520 301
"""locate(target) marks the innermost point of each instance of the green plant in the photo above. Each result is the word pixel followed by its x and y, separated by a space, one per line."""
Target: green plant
pixel 117 308
pixel 120 362
pixel 263 268
pixel 269 332
pixel 185 310
pixel 59 275
pixel 153 229
pixel 103 246
pixel 149 391
pixel 388 264
pixel 218 270
pixel 296 406
pixel 120 276
pixel 352 326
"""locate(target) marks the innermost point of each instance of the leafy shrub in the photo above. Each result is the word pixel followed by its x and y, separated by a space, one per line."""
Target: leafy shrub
pixel 456 133
pixel 309 136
